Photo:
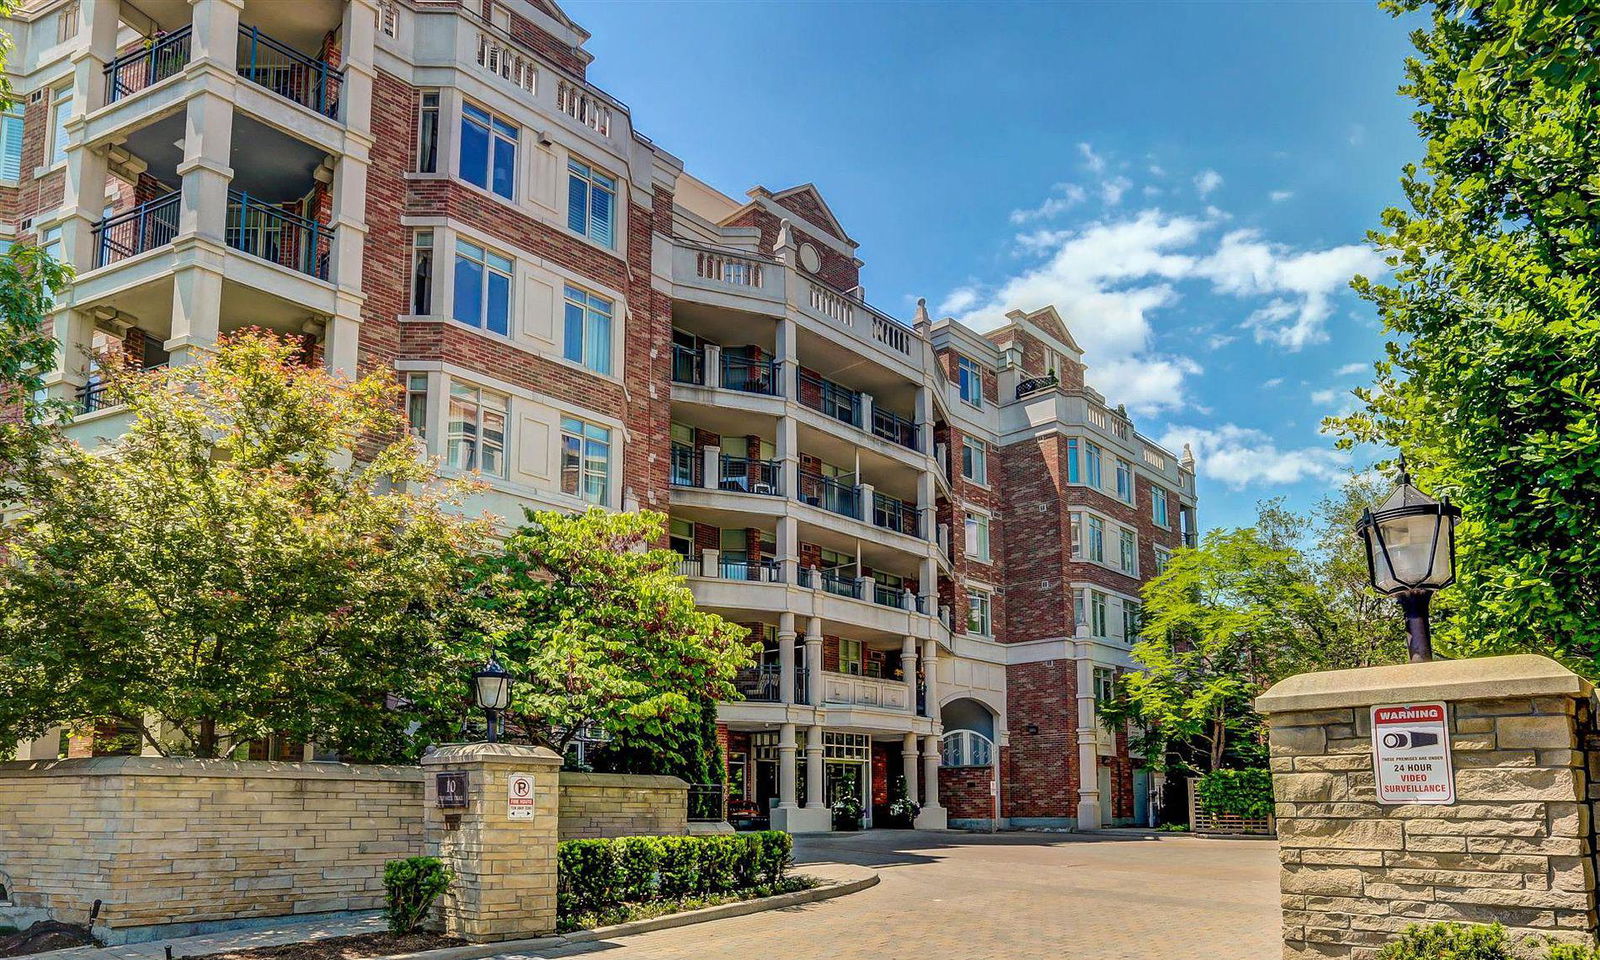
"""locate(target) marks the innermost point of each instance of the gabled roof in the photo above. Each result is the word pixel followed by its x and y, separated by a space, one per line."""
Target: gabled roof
pixel 830 221
pixel 1048 320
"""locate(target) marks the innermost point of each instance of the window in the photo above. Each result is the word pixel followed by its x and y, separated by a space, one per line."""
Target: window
pixel 1163 560
pixel 978 620
pixel 585 460
pixel 588 330
pixel 428 133
pixel 417 404
pixel 1158 507
pixel 60 110
pixel 483 288
pixel 975 460
pixel 966 748
pixel 488 151
pixel 1072 459
pixel 1130 621
pixel 680 537
pixel 477 439
pixel 850 657
pixel 591 203
pixel 422 273
pixel 1105 685
pixel 388 25
pixel 11 145
pixel 1076 524
pixel 978 536
pixel 50 243
pixel 1128 553
pixel 1096 550
pixel 67 22
pixel 970 380
pixel 1079 614
pixel 1124 481
pixel 1091 463
pixel 1097 613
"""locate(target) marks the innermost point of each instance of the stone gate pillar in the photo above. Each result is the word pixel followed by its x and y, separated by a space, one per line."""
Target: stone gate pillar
pixel 1515 846
pixel 501 843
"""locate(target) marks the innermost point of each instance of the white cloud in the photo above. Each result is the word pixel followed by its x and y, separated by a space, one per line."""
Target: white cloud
pixel 1206 181
pixel 1156 170
pixel 1325 398
pixel 1111 190
pixel 1242 457
pixel 1071 195
pixel 1091 160
pixel 1351 369
pixel 959 299
pixel 1278 196
pixel 1218 340
pixel 1302 282
pixel 1272 384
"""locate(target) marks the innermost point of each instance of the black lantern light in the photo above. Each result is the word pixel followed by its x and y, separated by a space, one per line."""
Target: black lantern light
pixel 1411 552
pixel 492 688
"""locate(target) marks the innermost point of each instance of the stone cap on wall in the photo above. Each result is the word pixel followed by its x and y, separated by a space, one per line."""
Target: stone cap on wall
pixel 191 767
pixel 492 753
pixel 573 778
pixel 1484 678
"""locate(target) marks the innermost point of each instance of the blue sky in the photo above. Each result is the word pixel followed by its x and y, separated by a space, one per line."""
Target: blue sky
pixel 1190 183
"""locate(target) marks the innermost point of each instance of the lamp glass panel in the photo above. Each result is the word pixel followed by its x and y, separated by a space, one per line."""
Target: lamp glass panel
pixel 1411 549
pixel 494 693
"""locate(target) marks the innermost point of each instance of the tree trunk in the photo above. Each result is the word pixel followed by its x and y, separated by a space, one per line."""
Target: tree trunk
pixel 206 745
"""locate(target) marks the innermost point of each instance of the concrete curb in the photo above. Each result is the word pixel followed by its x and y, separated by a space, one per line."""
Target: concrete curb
pixel 477 951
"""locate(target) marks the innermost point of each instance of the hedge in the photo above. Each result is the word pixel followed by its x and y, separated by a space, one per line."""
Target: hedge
pixel 1244 793
pixel 597 875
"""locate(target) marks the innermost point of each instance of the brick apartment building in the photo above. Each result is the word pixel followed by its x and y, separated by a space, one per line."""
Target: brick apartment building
pixel 938 534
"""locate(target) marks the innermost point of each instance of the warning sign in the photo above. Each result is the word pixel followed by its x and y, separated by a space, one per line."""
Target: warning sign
pixel 519 797
pixel 1411 754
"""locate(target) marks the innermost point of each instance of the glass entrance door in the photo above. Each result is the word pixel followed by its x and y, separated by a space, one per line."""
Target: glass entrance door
pixel 849 778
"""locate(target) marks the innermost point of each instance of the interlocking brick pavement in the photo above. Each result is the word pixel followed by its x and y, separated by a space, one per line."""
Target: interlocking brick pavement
pixel 1014 896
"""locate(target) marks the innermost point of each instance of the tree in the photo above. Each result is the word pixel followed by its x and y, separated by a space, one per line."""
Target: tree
pixel 601 630
pixel 1490 385
pixel 221 572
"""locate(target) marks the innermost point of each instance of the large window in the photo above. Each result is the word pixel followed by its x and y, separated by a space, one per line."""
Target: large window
pixel 417 404
pixel 60 109
pixel 585 460
pixel 483 288
pixel 1127 552
pixel 588 330
pixel 1131 616
pixel 1072 459
pixel 477 438
pixel 11 145
pixel 488 151
pixel 975 460
pixel 428 132
pixel 1158 507
pixel 1124 481
pixel 978 615
pixel 1096 547
pixel 850 657
pixel 1091 464
pixel 591 203
pixel 1105 685
pixel 1163 560
pixel 970 381
pixel 422 273
pixel 978 536
pixel 1097 613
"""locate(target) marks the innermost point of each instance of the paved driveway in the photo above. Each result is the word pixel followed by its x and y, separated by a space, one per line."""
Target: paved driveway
pixel 955 896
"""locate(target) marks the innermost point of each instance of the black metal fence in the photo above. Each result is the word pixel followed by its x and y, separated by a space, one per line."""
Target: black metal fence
pixel 149 65
pixel 706 803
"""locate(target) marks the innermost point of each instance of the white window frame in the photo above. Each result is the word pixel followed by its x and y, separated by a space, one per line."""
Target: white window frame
pixel 588 301
pixel 1131 612
pixel 979 521
pixel 1093 464
pixel 417 405
pixel 1124 471
pixel 1163 518
pixel 491 261
pixel 857 659
pixel 593 179
pixel 963 365
pixel 1094 547
pixel 1163 559
pixel 1099 601
pixel 424 109
pixel 424 255
pixel 1128 551
pixel 583 467
pixel 979 458
pixel 11 142
pixel 497 128
pixel 980 598
pixel 480 400
pixel 61 100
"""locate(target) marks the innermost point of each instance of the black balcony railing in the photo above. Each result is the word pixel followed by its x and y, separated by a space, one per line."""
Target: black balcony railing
pixel 755 571
pixel 149 65
pixel 705 803
pixel 886 596
pixel 95 394
pixel 149 225
pixel 838 583
pixel 289 73
pixel 830 494
pixel 751 376
pixel 894 514
pixel 836 400
pixel 751 476
pixel 762 683
pixel 688 364
pixel 687 465
pixel 895 428
pixel 1035 384
pixel 272 233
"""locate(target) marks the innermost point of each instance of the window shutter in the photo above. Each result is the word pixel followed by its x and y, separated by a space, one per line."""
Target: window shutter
pixel 577 204
pixel 11 147
pixel 600 228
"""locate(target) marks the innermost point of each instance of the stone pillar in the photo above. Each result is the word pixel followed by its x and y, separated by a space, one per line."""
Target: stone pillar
pixel 933 816
pixel 816 798
pixel 930 676
pixel 711 467
pixel 1515 846
pixel 908 667
pixel 1089 814
pixel 358 36
pixel 786 673
pixel 214 36
pixel 505 886
pixel 786 766
pixel 207 153
pixel 814 654
pixel 196 310
pixel 908 763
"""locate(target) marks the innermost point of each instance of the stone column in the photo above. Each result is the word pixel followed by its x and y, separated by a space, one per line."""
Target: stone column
pixel 786 673
pixel 933 816
pixel 816 798
pixel 1515 846
pixel 908 667
pixel 359 34
pixel 786 766
pixel 214 34
pixel 814 655
pixel 908 763
pixel 930 676
pixel 196 309
pixel 505 886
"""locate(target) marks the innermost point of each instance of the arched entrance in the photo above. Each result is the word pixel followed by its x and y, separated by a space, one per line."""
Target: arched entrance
pixel 969 771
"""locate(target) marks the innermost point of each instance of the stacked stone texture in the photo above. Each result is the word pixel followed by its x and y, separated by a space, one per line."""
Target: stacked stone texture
pixel 1515 848
pixel 620 805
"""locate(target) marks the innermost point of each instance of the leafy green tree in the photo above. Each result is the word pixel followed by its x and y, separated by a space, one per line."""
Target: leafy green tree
pixel 600 629
pixel 1490 384
pixel 221 572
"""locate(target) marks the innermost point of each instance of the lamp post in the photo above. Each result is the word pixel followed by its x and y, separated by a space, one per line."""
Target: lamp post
pixel 1411 553
pixel 491 686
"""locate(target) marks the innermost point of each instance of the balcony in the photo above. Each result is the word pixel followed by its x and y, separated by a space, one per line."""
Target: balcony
pixel 846 310
pixel 147 66
pixel 688 365
pixel 1034 385
pixel 844 688
pixel 151 224
pixel 747 475
pixel 289 73
pixel 274 234
pixel 831 581
pixel 764 684
pixel 729 277
pixel 829 494
pixel 686 466
pixel 894 514
pixel 750 571
pixel 896 429
pixel 832 399
pixel 752 376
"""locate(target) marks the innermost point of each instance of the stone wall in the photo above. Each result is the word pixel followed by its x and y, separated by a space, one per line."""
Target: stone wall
pixel 1516 847
pixel 165 841
pixel 622 805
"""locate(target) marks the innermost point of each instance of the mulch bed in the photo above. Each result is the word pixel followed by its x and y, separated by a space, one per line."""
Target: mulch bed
pixel 356 947
pixel 42 936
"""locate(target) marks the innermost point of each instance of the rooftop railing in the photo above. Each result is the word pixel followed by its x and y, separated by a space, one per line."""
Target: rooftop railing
pixel 1036 384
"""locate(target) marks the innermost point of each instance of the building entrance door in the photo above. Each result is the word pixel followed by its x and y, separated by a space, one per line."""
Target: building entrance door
pixel 849 778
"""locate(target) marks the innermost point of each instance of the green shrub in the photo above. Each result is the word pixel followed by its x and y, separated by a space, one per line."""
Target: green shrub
pixel 597 878
pixel 1568 952
pixel 1245 793
pixel 410 887
pixel 1450 941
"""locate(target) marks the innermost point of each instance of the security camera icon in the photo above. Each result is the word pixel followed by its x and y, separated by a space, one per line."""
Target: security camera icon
pixel 1409 740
